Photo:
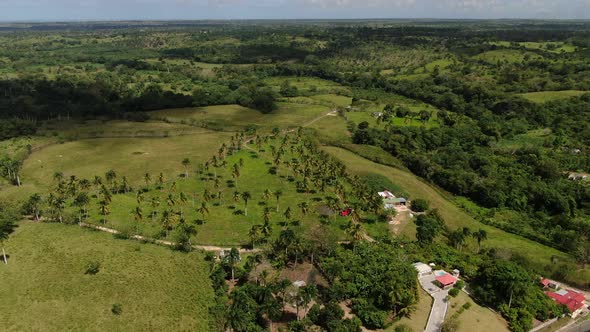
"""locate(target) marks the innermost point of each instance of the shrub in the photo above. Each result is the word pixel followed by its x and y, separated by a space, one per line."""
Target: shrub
pixel 420 205
pixel 402 328
pixel 467 305
pixel 460 284
pixel 92 268
pixel 117 309
pixel 454 292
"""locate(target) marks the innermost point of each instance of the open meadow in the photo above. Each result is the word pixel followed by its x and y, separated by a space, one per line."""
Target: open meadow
pixel 45 286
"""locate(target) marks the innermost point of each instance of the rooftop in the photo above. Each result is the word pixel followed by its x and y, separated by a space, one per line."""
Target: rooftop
pixel 572 300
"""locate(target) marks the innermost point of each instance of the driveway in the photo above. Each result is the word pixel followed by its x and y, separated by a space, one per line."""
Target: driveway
pixel 439 306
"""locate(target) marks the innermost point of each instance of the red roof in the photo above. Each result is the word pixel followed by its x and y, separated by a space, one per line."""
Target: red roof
pixel 572 300
pixel 545 282
pixel 446 279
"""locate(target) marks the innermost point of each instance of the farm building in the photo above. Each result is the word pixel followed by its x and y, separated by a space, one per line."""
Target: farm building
pixel 444 279
pixel 390 201
pixel 423 269
pixel 574 301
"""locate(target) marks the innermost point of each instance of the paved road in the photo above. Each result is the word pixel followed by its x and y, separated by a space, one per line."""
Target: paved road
pixel 439 306
pixel 582 327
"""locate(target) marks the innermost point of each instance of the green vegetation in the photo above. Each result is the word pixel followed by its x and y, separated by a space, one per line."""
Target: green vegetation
pixel 545 96
pixel 45 285
pixel 276 137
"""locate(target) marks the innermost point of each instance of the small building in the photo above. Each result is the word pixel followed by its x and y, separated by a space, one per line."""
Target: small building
pixel 444 280
pixel 423 269
pixel 578 176
pixel 392 203
pixel 547 283
pixel 456 273
pixel 299 283
pixel 574 301
pixel 377 114
pixel 386 194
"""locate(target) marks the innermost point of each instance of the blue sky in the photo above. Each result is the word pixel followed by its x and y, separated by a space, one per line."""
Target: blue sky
pixel 18 10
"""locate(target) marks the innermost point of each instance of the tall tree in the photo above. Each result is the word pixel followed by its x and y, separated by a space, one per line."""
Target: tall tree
pixel 186 163
pixel 7 225
pixel 278 195
pixel 246 197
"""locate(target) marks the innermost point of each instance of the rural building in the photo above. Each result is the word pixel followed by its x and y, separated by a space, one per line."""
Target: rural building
pixel 574 301
pixel 423 269
pixel 547 283
pixel 390 201
pixel 385 194
pixel 444 280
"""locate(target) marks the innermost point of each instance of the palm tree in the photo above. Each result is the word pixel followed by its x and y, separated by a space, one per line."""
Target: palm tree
pixel 203 210
pixel 266 214
pixel 81 201
pixel 236 173
pixel 232 259
pixel 287 214
pixel 147 178
pixel 97 182
pixel 186 163
pixel 266 230
pixel 125 184
pixel 59 203
pixel 137 216
pixel 304 207
pixel 183 199
pixel 305 295
pixel 246 196
pixel 34 204
pixel 278 195
pixel 254 260
pixel 104 209
pixel 161 180
pixel 170 201
pixel 266 195
pixel 254 235
pixel 355 231
pixel 58 176
pixel 154 203
pixel 139 197
pixel 237 196
pixel 110 176
pixel 167 220
pixel 480 236
pixel 7 226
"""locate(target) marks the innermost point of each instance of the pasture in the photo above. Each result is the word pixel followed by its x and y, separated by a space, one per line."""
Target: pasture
pixel 44 287
pixel 476 316
pixel 235 117
pixel 545 96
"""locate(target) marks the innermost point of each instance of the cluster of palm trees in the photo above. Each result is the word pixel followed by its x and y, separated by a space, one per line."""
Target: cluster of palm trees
pixel 10 169
pixel 459 237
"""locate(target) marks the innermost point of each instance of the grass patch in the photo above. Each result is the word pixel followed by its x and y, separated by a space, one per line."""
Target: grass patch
pixel 419 319
pixel 545 96
pixel 476 316
pixel 44 286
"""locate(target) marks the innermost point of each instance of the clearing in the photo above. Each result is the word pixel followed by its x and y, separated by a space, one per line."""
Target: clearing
pixel 158 289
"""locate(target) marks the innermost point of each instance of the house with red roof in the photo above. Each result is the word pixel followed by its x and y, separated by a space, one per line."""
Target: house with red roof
pixel 548 283
pixel 444 279
pixel 574 301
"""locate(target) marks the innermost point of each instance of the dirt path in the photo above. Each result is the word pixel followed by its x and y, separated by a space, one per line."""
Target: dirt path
pixel 162 242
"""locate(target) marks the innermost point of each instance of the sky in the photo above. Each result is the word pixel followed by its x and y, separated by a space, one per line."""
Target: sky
pixel 76 10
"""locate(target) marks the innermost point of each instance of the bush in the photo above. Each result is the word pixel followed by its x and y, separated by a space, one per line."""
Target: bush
pixel 92 268
pixel 420 205
pixel 460 284
pixel 402 328
pixel 117 309
pixel 467 305
pixel 371 317
pixel 454 292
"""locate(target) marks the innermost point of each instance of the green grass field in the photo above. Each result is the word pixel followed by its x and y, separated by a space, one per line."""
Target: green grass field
pixel 545 96
pixel 454 216
pixel 235 117
pixel 476 316
pixel 534 138
pixel 44 287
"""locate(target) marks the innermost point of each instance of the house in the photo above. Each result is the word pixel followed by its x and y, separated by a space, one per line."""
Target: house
pixel 444 279
pixel 549 283
pixel 423 269
pixel 574 301
pixel 385 194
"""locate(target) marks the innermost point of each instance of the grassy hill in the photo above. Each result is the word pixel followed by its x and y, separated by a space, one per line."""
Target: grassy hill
pixel 44 287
